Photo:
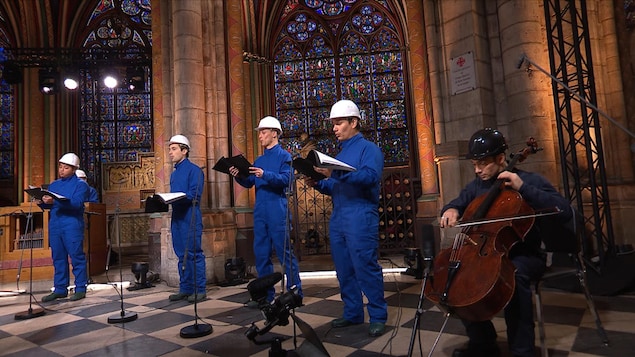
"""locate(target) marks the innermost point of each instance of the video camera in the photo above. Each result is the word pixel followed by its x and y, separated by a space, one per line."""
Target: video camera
pixel 275 313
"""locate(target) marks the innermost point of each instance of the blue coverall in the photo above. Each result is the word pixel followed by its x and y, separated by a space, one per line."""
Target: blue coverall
pixel 270 216
pixel 354 229
pixel 187 227
pixel 66 233
pixel 526 256
pixel 91 194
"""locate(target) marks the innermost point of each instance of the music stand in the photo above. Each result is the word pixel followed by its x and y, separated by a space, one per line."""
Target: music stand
pixel 28 232
pixel 88 264
pixel 123 316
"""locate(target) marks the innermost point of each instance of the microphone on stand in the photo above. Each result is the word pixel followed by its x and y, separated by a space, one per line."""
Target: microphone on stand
pixel 428 245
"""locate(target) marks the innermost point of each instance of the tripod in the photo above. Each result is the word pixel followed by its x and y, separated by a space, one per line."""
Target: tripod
pixel 195 330
pixel 123 316
pixel 28 233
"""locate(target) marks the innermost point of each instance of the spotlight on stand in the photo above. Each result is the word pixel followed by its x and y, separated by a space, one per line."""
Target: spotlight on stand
pixel 136 79
pixel 140 270
pixel 49 79
pixel 414 260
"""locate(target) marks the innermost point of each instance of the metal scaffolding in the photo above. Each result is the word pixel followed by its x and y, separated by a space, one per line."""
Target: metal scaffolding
pixel 578 125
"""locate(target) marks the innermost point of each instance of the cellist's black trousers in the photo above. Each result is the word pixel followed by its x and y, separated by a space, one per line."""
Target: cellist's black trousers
pixel 519 314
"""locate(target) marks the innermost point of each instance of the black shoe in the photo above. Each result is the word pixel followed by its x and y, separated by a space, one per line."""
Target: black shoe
pixel 53 296
pixel 179 296
pixel 78 296
pixel 196 297
pixel 376 329
pixel 342 322
pixel 468 352
pixel 252 304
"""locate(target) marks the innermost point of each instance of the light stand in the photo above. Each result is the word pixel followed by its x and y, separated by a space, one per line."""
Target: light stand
pixel 195 330
pixel 28 232
pixel 123 316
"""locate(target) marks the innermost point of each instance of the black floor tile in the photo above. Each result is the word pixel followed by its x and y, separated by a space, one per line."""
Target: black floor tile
pixel 138 346
pixel 59 332
pixel 33 352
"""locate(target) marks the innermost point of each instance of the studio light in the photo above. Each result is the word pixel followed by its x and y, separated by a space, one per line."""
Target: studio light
pixel 49 79
pixel 136 78
pixel 110 81
pixel 71 81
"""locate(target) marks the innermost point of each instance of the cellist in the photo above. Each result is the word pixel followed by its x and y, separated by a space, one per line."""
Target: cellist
pixel 486 150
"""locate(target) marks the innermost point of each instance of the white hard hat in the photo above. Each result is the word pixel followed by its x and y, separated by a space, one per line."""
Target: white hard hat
pixel 179 139
pixel 80 173
pixel 344 109
pixel 269 122
pixel 70 159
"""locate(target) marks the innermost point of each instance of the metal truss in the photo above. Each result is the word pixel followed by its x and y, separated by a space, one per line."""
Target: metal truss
pixel 578 125
pixel 77 58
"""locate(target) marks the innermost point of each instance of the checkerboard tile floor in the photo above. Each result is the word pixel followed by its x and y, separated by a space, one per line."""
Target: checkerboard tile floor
pixel 81 328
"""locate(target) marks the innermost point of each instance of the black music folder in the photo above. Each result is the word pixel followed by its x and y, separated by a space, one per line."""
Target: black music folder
pixel 318 159
pixel 239 161
pixel 38 192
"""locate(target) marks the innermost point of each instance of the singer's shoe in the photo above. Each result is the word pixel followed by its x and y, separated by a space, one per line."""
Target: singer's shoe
pixel 342 322
pixel 493 351
pixel 78 296
pixel 376 329
pixel 197 297
pixel 53 296
pixel 179 296
pixel 252 304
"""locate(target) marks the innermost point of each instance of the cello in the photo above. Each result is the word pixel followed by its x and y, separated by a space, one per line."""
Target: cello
pixel 474 278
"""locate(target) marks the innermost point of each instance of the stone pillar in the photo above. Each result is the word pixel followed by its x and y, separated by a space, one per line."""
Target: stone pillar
pixel 528 108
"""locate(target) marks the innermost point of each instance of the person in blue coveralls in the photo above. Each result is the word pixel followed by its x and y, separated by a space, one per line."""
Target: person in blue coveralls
pixel 486 150
pixel 66 229
pixel 92 192
pixel 271 173
pixel 355 196
pixel 187 222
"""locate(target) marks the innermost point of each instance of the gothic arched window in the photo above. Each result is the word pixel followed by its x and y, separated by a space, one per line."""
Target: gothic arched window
pixel 326 50
pixel 116 124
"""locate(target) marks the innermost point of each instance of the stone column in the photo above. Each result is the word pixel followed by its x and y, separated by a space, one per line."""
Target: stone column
pixel 528 108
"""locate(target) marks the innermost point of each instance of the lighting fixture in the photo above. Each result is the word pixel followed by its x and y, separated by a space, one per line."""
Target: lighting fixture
pixel 49 79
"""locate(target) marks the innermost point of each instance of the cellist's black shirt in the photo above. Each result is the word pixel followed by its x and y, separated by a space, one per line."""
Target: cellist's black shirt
pixel 536 191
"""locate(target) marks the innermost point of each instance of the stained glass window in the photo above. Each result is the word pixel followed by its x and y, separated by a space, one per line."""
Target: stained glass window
pixel 7 114
pixel 328 50
pixel 116 124
pixel 7 132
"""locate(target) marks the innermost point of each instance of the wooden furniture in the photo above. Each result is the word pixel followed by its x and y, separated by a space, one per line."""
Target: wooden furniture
pixel 95 241
pixel 17 235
